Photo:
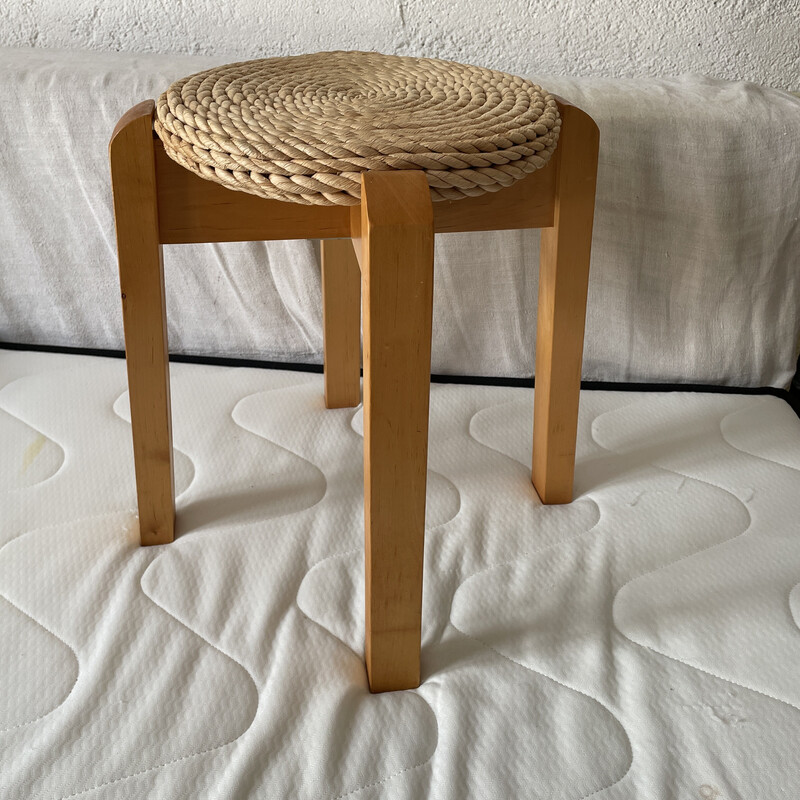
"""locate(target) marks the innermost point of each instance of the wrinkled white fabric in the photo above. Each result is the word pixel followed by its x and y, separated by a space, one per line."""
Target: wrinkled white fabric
pixel 695 272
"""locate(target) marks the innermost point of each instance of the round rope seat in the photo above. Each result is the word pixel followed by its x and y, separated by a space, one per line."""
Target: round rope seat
pixel 303 128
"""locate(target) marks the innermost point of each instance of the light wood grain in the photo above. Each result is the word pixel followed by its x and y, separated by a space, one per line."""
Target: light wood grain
pixel 192 209
pixel 528 203
pixel 396 231
pixel 355 233
pixel 141 274
pixel 563 283
pixel 341 323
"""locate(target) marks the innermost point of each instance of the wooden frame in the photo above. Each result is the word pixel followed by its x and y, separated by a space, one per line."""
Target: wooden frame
pixel 396 233
pixel 158 202
pixel 144 316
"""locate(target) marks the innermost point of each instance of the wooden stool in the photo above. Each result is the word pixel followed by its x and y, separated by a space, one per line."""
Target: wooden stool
pixel 378 250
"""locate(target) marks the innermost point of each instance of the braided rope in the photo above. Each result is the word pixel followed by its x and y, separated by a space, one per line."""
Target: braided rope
pixel 303 128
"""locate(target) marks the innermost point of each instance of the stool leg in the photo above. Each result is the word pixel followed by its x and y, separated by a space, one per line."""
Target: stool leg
pixel 141 276
pixel 563 282
pixel 341 323
pixel 396 240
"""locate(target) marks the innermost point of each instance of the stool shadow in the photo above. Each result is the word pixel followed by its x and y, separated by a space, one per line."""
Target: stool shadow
pixel 244 507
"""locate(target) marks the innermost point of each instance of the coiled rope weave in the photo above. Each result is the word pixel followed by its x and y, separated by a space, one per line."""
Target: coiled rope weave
pixel 303 128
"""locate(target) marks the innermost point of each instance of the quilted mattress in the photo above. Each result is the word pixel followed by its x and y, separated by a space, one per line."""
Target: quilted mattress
pixel 641 642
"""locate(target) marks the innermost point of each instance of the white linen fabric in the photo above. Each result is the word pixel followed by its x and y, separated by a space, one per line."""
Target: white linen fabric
pixel 640 642
pixel 694 278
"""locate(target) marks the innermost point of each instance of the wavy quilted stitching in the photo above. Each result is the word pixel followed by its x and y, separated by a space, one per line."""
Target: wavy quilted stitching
pixel 168 762
pixel 241 584
pixel 183 466
pixel 591 463
pixel 320 592
pixel 438 485
pixel 75 716
pixel 629 750
pixel 734 495
pixel 738 431
pixel 278 417
pixel 29 456
pixel 442 491
pixel 51 678
pixel 337 593
pixel 40 672
pixel 278 424
pixel 538 672
pixel 349 632
pixel 117 365
pixel 794 604
pixel 386 779
pixel 205 752
pixel 238 417
pixel 84 391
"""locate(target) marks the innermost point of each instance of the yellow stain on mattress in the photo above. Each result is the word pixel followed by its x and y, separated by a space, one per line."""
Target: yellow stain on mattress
pixel 33 450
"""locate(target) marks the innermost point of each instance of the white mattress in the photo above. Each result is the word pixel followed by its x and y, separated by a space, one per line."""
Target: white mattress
pixel 641 642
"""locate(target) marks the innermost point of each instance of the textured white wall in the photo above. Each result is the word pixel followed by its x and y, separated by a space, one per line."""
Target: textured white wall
pixel 753 40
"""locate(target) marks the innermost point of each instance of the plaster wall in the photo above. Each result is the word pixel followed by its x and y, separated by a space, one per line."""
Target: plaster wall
pixel 752 40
